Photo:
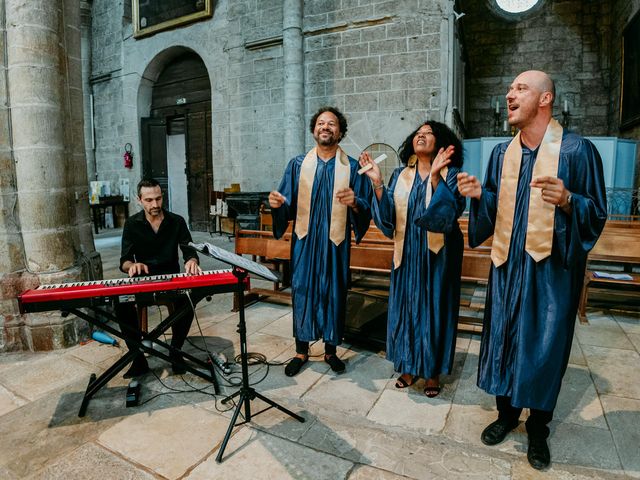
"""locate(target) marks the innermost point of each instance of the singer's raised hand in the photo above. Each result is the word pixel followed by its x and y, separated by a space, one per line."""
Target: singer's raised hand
pixel 443 158
pixel 276 199
pixel 469 186
pixel 374 173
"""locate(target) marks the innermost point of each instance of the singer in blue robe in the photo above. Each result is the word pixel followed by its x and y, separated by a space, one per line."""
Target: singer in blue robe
pixel 320 269
pixel 531 307
pixel 424 295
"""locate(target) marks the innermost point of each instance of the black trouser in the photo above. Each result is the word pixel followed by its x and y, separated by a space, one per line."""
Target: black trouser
pixel 127 315
pixel 536 423
pixel 303 348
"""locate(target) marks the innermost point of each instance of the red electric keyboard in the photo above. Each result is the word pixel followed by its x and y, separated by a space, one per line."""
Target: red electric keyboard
pixel 87 294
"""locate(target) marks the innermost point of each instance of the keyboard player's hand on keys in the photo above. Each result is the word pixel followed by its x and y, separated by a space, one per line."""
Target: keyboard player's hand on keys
pixel 192 267
pixel 138 269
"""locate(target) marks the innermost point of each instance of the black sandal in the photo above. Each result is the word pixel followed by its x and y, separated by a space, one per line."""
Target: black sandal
pixel 432 391
pixel 402 383
pixel 335 363
pixel 294 366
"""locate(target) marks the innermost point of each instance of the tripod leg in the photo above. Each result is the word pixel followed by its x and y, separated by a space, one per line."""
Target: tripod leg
pixel 233 395
pixel 234 418
pixel 279 407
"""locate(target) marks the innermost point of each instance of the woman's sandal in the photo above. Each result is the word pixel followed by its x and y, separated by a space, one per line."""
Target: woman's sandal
pixel 432 391
pixel 402 383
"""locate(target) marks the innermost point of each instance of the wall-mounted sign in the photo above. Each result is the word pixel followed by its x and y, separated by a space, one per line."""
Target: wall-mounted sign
pixel 181 101
pixel 152 16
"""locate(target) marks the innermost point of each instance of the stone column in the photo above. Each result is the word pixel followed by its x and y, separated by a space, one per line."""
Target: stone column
pixel 46 138
pixel 292 39
pixel 85 55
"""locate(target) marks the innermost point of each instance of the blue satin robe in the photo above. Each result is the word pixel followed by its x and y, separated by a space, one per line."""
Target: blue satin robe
pixel 320 269
pixel 424 296
pixel 531 307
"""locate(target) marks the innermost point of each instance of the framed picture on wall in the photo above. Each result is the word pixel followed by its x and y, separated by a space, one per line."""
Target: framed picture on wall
pixel 152 16
pixel 630 92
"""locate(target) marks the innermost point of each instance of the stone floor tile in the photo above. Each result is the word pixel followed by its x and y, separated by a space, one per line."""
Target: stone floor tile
pixel 614 371
pixel 412 456
pixel 578 401
pixel 357 389
pixel 521 470
pixel 49 427
pixel 96 353
pixel 586 446
pixel 278 384
pixel 365 472
pixel 9 401
pixel 91 462
pixel 11 360
pixel 576 357
pixel 635 339
pixel 271 346
pixel 623 417
pixel 166 441
pixel 282 326
pixel 32 380
pixel 630 323
pixel 412 412
pixel 603 334
pixel 257 455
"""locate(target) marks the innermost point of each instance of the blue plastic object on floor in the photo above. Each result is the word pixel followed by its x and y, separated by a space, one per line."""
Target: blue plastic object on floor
pixel 100 336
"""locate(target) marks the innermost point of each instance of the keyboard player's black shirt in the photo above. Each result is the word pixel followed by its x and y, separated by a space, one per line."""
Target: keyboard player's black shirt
pixel 159 251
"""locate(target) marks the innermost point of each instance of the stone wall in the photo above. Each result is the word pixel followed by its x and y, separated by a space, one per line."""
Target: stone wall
pixel 379 62
pixel 569 39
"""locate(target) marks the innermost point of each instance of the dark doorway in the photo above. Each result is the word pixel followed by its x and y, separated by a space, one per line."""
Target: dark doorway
pixel 176 138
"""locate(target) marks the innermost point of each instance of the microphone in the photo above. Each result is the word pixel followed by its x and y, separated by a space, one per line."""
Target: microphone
pixel 370 166
pixel 100 336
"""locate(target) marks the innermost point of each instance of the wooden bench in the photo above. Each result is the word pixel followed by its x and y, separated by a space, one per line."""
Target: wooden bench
pixel 373 254
pixel 619 245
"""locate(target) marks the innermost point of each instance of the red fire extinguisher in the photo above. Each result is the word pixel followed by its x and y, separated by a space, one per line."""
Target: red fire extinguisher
pixel 128 156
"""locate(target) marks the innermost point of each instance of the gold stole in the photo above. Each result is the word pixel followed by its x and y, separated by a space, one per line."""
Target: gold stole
pixel 435 241
pixel 341 177
pixel 541 214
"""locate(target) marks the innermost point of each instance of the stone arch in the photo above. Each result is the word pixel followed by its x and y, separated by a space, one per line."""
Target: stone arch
pixel 182 110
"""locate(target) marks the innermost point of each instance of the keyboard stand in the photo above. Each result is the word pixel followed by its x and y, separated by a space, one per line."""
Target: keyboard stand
pixel 96 383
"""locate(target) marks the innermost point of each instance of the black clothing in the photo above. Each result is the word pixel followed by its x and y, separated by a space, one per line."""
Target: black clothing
pixel 159 251
pixel 536 423
pixel 303 348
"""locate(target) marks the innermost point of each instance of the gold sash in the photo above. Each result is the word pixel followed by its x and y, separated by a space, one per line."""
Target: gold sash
pixel 341 177
pixel 541 214
pixel 435 241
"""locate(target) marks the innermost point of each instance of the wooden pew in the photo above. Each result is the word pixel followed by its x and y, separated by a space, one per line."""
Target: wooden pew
pixel 619 244
pixel 373 254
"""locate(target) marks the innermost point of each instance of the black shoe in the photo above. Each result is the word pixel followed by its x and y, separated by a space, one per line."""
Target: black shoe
pixel 497 431
pixel 138 367
pixel 177 364
pixel 538 453
pixel 294 366
pixel 335 363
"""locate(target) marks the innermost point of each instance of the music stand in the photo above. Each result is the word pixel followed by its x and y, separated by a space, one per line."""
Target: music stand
pixel 241 267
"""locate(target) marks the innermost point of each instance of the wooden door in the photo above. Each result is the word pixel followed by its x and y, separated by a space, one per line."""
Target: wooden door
pixel 154 150
pixel 199 168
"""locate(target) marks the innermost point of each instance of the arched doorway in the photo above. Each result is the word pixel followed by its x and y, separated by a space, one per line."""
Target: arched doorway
pixel 176 138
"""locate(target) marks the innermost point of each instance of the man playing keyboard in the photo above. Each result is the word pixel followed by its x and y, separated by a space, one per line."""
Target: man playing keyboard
pixel 150 242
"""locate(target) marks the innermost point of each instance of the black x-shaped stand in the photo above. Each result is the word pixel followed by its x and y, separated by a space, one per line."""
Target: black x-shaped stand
pixel 246 393
pixel 144 343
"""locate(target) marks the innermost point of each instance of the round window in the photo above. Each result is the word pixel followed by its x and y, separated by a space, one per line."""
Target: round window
pixel 515 9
